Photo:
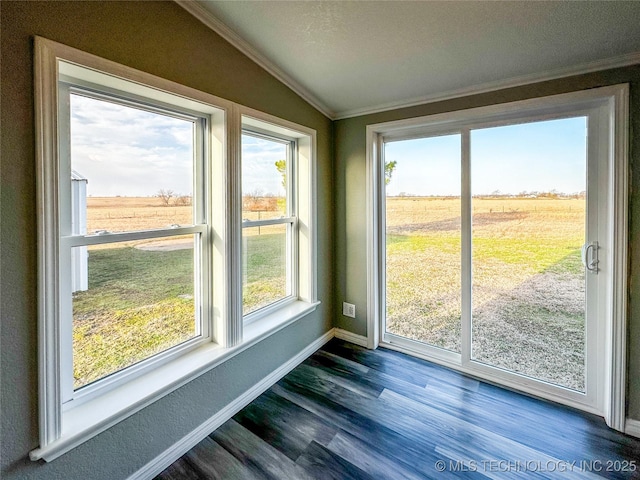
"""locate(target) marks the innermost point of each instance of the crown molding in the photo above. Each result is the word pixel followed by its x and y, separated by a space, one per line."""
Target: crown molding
pixel 215 24
pixel 590 67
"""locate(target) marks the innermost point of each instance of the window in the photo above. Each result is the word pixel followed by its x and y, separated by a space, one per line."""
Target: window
pixel 143 250
pixel 277 215
pixel 133 231
pixel 268 220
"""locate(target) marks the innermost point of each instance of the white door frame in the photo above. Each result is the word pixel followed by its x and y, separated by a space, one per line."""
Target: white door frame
pixel 613 102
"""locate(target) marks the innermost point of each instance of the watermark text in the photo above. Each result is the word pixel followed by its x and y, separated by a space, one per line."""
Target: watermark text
pixel 538 466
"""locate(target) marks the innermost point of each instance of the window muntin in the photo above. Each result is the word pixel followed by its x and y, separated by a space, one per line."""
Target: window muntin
pixel 131 243
pixel 268 220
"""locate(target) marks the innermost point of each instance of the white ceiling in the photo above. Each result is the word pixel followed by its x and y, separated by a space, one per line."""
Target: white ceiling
pixel 354 57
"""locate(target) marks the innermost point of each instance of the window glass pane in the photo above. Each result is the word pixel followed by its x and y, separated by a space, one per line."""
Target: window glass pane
pixel 529 222
pixel 131 300
pixel 264 266
pixel 131 169
pixel 423 236
pixel 264 178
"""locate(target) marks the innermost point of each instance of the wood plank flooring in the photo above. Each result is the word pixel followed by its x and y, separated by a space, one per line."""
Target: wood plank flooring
pixel 352 413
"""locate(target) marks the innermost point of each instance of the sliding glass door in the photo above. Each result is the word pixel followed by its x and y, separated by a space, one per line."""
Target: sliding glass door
pixel 491 249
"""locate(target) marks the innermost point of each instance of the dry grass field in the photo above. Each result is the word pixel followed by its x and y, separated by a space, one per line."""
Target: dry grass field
pixel 133 213
pixel 528 282
pixel 118 214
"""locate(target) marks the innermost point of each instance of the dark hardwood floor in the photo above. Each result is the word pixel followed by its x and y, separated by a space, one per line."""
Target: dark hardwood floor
pixel 352 413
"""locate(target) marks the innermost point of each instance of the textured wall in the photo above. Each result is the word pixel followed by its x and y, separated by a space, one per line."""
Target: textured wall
pixel 350 195
pixel 163 39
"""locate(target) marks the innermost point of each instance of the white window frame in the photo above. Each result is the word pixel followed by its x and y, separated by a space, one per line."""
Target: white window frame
pixel 611 106
pixel 68 422
pixel 200 228
pixel 300 205
pixel 257 129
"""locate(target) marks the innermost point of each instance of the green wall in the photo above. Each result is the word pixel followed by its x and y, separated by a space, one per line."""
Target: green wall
pixel 350 196
pixel 163 39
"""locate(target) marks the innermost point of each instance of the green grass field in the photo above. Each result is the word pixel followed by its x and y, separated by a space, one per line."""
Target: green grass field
pixel 141 302
pixel 264 270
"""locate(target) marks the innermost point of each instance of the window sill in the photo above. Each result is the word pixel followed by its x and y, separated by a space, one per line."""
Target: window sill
pixel 95 416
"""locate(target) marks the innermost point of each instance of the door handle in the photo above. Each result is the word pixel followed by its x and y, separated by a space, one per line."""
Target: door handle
pixel 590 256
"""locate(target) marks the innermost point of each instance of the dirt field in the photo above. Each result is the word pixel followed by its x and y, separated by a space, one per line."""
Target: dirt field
pixel 528 288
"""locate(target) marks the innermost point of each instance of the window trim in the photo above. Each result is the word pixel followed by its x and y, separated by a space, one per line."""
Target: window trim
pixel 53 60
pixel 63 429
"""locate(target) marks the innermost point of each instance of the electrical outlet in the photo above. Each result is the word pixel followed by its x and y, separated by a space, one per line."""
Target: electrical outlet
pixel 348 310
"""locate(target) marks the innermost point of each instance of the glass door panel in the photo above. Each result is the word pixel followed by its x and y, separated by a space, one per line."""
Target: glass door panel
pixel 423 240
pixel 528 187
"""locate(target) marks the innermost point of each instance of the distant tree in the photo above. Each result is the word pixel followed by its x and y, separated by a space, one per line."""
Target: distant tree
pixel 550 194
pixel 252 201
pixel 281 165
pixel 389 167
pixel 165 196
pixel 182 200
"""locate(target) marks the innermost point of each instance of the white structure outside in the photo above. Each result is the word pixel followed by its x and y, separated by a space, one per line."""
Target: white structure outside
pixel 79 255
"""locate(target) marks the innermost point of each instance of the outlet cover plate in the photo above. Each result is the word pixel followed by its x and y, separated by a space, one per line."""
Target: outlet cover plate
pixel 348 310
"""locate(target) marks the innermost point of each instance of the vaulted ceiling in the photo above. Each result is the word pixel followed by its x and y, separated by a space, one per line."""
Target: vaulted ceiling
pixel 354 57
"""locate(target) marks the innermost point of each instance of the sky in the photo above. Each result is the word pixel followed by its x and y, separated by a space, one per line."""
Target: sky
pixel 130 152
pixel 539 156
pixel 259 173
pixel 127 151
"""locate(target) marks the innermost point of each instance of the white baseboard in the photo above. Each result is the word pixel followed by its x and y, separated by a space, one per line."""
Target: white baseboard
pixel 351 337
pixel 170 455
pixel 632 427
